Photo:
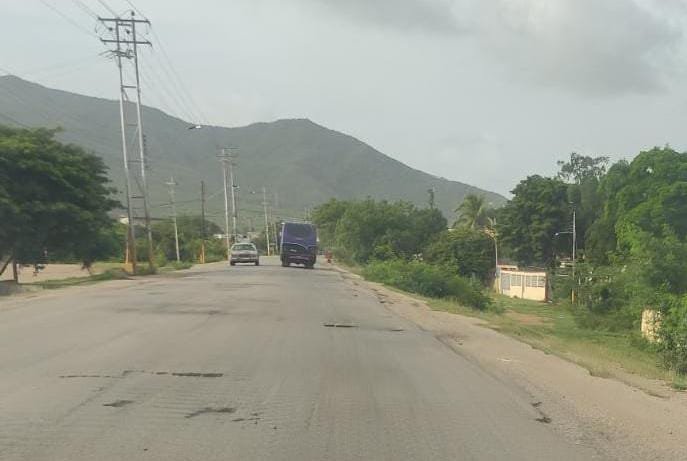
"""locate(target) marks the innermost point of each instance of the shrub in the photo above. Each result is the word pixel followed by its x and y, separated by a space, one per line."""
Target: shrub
pixel 673 333
pixel 427 280
pixel 467 252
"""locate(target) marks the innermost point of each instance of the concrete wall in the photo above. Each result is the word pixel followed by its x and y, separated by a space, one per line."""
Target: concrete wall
pixel 521 284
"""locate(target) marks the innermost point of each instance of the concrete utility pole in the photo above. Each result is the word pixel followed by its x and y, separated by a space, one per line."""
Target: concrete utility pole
pixel 574 251
pixel 276 238
pixel 234 207
pixel 171 185
pixel 267 221
pixel 226 158
pixel 126 47
pixel 201 258
pixel 226 207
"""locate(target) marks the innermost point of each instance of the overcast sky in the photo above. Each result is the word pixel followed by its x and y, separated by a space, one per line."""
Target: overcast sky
pixel 480 91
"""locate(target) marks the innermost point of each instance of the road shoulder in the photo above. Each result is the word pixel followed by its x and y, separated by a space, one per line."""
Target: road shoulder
pixel 618 419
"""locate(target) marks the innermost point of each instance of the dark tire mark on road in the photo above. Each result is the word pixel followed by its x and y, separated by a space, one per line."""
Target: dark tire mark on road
pixel 118 403
pixel 207 410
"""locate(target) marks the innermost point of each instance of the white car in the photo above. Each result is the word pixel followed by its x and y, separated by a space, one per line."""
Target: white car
pixel 244 253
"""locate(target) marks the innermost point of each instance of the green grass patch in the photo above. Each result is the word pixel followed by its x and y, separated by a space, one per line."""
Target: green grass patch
pixel 427 280
pixel 110 274
pixel 552 328
pixel 679 383
pixel 105 271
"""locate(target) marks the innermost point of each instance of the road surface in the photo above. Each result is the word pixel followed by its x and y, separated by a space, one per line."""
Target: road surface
pixel 248 363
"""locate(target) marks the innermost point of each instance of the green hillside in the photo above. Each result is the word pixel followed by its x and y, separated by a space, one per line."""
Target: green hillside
pixel 302 162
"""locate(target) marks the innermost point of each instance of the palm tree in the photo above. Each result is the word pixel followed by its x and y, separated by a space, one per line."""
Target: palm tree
pixel 473 212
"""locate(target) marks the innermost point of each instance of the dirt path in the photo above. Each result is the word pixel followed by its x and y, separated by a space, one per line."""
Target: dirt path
pixel 50 272
pixel 618 419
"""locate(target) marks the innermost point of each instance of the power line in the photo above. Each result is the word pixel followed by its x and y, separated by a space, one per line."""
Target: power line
pixel 107 7
pixel 85 8
pixel 136 9
pixel 68 19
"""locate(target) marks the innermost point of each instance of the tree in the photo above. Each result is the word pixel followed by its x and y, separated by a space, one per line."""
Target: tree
pixel 364 230
pixel 583 175
pixel 472 212
pixel 189 229
pixel 581 168
pixel 528 223
pixel 468 252
pixel 53 197
pixel 326 217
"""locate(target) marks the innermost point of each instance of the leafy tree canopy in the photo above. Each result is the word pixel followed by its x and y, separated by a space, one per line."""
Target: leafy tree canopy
pixel 581 168
pixel 378 230
pixel 473 212
pixel 529 222
pixel 53 196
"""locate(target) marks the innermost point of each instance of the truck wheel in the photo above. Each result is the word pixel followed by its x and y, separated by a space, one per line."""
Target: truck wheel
pixel 232 263
pixel 257 263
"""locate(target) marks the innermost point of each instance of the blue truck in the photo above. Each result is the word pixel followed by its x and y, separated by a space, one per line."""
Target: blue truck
pixel 298 244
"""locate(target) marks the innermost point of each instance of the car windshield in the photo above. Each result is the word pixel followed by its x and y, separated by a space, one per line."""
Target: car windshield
pixel 243 247
pixel 299 230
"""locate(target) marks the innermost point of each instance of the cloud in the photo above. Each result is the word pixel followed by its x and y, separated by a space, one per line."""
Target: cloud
pixel 428 16
pixel 590 47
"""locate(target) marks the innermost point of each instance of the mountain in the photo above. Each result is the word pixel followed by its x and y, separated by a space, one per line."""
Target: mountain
pixel 303 163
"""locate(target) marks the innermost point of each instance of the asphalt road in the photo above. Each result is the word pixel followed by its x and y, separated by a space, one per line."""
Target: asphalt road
pixel 248 363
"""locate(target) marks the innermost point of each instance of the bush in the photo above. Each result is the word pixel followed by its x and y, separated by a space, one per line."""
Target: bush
pixel 467 252
pixel 673 333
pixel 427 280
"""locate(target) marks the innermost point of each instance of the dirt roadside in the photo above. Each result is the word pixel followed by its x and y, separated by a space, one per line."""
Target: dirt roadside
pixel 621 421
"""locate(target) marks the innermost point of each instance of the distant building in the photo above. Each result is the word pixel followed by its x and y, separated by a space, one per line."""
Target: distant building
pixel 516 283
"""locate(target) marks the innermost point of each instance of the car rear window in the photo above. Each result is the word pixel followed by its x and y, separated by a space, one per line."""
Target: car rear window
pixel 243 247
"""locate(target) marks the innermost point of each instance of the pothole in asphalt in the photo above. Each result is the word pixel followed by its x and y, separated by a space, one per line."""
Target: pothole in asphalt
pixel 255 417
pixel 543 418
pixel 207 410
pixel 118 403
pixel 198 375
pixel 125 373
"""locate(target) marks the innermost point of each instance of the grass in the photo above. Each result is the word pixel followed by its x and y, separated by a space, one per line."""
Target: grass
pixel 552 329
pixel 109 274
pixel 105 271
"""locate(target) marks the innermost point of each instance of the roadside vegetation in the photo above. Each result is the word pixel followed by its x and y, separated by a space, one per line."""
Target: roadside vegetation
pixel 631 249
pixel 57 206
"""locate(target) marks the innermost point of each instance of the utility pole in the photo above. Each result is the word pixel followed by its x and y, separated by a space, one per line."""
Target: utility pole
pixel 126 47
pixel 276 238
pixel 267 222
pixel 226 158
pixel 201 258
pixel 574 251
pixel 431 193
pixel 226 204
pixel 234 207
pixel 171 185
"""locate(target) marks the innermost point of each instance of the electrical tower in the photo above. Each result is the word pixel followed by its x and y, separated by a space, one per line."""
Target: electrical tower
pixel 121 32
